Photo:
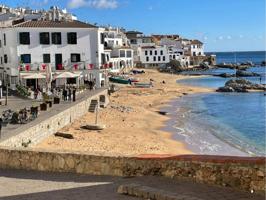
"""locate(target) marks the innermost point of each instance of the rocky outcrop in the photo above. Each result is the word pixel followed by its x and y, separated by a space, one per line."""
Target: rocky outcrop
pixel 263 63
pixel 225 75
pixel 240 85
pixel 242 66
pixel 241 73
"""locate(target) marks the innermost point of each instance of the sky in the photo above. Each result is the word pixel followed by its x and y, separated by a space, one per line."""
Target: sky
pixel 223 25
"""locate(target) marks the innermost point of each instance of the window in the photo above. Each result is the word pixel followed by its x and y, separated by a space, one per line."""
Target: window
pixel 4 39
pixel 173 56
pixel 154 58
pixel 163 58
pixel 147 58
pixel 56 38
pixel 161 52
pixel 0 43
pixel 75 57
pixel 129 54
pixel 5 58
pixel 44 38
pixel 103 59
pixel 146 53
pixel 72 38
pixel 1 60
pixel 14 79
pixel 24 38
pixel 159 58
pixel 122 53
pixel 150 52
pixel 102 38
pixel 155 52
pixel 25 58
pixel 46 58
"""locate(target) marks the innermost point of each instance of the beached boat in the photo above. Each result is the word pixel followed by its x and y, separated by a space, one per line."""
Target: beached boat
pixel 137 71
pixel 134 80
pixel 119 80
pixel 143 85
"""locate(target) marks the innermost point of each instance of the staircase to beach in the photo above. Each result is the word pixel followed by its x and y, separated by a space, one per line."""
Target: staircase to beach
pixel 93 106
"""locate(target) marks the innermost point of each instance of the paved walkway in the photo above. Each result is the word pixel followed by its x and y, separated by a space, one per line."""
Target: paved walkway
pixel 28 185
pixel 16 103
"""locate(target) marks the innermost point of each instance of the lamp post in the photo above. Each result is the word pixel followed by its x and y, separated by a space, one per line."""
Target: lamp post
pixel 6 85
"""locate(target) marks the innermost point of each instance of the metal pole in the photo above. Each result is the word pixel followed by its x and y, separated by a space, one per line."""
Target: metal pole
pixel 6 93
pixel 96 119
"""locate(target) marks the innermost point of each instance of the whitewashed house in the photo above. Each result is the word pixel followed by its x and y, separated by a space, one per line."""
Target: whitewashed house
pixel 119 55
pixel 154 56
pixel 29 47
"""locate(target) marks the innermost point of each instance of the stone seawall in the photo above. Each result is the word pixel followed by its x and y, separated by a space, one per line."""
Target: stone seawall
pixel 43 127
pixel 236 172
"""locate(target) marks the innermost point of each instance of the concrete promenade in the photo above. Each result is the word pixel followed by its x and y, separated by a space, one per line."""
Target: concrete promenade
pixel 16 103
pixel 30 185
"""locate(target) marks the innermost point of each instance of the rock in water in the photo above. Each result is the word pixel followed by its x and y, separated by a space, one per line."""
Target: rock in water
pixel 241 73
pixel 225 75
pixel 240 85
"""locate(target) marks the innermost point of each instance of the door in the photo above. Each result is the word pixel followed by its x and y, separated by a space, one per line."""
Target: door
pixel 58 61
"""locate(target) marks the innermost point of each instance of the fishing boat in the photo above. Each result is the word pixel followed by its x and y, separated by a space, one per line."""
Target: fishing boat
pixel 119 80
pixel 134 80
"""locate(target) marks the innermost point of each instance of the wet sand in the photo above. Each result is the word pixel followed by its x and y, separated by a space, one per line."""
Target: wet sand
pixel 133 124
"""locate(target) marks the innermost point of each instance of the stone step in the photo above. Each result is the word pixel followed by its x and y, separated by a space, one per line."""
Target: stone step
pixel 93 106
pixel 145 192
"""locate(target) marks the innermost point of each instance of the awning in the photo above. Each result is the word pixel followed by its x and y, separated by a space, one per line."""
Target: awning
pixel 34 76
pixel 67 75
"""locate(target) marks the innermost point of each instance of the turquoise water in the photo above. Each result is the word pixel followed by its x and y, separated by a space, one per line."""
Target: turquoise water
pixel 223 123
pixel 236 118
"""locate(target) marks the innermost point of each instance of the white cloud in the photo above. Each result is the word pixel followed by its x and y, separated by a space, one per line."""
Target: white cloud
pixel 229 37
pixel 205 38
pixel 98 4
pixel 241 36
pixel 220 38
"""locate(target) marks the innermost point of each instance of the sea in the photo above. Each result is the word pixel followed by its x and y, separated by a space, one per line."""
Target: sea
pixel 222 123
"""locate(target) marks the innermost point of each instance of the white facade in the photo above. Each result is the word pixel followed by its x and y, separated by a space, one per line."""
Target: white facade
pixel 88 47
pixel 153 56
pixel 119 56
pixel 196 49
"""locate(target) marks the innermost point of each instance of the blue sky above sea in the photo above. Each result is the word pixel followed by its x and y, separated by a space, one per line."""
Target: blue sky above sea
pixel 223 25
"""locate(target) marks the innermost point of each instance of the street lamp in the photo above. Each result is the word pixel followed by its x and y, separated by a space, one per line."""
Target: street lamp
pixel 6 85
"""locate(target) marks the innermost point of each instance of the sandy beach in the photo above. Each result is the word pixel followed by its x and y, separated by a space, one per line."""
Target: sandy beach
pixel 132 121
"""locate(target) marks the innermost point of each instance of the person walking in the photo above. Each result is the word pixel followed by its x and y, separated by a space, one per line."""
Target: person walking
pixel 69 94
pixel 65 94
pixel 74 94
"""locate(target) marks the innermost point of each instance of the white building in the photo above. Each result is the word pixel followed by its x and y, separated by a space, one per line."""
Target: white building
pixel 154 56
pixel 119 55
pixel 29 47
